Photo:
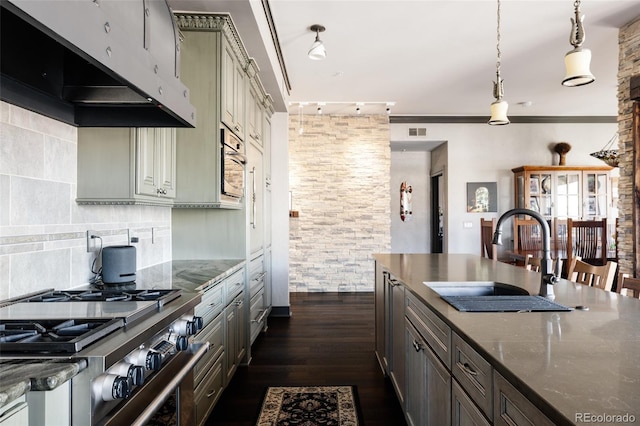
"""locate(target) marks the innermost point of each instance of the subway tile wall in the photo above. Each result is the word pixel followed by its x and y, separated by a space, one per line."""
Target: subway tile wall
pixel 629 56
pixel 42 229
pixel 339 177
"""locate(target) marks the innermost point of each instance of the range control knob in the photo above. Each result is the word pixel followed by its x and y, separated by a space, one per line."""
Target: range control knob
pixel 182 343
pixel 146 358
pixel 184 327
pixel 109 387
pixel 198 321
pixel 135 373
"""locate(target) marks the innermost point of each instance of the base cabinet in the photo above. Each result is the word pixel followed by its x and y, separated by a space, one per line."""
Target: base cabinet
pixel 439 377
pixel 16 413
pixel 428 383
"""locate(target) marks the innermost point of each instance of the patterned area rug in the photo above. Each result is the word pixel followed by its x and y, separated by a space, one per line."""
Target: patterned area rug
pixel 310 406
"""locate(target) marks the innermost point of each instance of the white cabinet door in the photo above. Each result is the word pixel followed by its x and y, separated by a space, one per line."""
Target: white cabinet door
pixel 155 162
pixel 146 161
pixel 166 146
pixel 255 168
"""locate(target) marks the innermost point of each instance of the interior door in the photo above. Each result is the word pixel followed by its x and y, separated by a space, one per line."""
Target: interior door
pixel 437 214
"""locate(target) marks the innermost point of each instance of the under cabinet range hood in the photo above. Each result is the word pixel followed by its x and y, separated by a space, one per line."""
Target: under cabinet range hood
pixel 94 63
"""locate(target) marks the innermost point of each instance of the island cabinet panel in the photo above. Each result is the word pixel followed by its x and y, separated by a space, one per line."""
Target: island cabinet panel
pixel 514 409
pixel 463 411
pixel 428 383
pixel 474 374
pixel 435 331
pixel 396 337
pixel 381 317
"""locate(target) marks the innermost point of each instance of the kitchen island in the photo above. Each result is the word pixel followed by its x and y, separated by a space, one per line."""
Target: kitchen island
pixel 574 367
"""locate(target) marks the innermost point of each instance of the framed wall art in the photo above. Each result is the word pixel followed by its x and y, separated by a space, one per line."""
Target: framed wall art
pixel 482 197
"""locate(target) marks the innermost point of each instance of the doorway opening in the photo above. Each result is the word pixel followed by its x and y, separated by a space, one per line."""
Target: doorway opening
pixel 437 214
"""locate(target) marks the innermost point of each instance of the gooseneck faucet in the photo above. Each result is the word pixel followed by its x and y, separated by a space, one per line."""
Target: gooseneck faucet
pixel 546 266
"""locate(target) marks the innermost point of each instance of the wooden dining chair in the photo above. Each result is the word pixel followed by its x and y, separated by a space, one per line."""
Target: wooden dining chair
pixel 534 264
pixel 487 228
pixel 559 236
pixel 587 239
pixel 628 285
pixel 601 276
pixel 527 235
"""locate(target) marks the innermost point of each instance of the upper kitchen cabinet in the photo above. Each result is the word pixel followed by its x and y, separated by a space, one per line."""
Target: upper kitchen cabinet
pixel 225 89
pixel 126 166
pixel 564 191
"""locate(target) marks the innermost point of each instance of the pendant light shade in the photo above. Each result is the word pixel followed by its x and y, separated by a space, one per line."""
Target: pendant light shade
pixel 578 61
pixel 499 113
pixel 499 107
pixel 317 51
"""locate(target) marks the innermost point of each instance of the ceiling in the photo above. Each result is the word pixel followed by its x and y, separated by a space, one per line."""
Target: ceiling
pixel 431 58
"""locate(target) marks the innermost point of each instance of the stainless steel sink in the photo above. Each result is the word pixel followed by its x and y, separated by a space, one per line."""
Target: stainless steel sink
pixel 476 288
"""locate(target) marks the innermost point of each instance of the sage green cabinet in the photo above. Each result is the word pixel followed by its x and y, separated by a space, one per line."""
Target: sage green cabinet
pixel 126 166
pixel 212 63
pixel 232 79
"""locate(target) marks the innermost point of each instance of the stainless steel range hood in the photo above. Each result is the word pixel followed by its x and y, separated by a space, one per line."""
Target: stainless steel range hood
pixel 94 63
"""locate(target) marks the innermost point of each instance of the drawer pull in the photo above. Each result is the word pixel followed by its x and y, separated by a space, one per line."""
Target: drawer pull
pixel 210 394
pixel 467 368
pixel 417 346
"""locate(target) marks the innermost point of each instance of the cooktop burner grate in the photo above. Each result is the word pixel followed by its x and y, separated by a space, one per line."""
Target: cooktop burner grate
pixel 162 296
pixel 53 336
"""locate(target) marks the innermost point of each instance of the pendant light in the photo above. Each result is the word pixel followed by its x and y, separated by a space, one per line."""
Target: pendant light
pixel 317 51
pixel 499 106
pixel 577 61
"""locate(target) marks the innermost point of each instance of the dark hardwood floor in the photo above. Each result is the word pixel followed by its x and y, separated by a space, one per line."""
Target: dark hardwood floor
pixel 329 340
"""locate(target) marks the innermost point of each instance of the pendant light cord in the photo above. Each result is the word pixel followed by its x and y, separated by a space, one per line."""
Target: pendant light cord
pixel 498 43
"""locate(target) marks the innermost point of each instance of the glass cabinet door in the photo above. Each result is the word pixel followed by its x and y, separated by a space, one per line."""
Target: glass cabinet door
pixel 596 195
pixel 541 193
pixel 568 194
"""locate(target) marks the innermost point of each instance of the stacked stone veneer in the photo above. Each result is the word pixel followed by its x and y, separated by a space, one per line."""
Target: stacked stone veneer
pixel 629 57
pixel 339 176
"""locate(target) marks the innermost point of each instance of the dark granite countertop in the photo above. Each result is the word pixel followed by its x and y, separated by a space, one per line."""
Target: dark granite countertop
pixel 567 363
pixel 22 375
pixel 186 275
pixel 18 376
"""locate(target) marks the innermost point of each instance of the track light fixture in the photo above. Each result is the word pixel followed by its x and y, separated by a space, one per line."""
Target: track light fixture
pixel 317 51
pixel 499 106
pixel 577 61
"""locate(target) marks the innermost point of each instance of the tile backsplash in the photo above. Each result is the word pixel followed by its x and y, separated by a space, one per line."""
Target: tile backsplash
pixel 42 229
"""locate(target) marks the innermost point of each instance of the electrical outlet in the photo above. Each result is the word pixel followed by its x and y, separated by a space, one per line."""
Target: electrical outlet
pixel 91 242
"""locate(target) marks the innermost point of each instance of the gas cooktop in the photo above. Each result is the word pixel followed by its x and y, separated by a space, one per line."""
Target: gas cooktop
pixel 129 305
pixel 53 336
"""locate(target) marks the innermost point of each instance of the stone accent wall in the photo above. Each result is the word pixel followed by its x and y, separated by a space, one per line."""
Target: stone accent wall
pixel 629 57
pixel 339 177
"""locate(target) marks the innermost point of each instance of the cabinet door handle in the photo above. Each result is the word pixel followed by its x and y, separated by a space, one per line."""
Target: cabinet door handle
pixel 239 302
pixel 210 394
pixel 467 368
pixel 417 346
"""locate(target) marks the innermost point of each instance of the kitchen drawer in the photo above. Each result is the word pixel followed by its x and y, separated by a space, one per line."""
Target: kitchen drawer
pixel 211 305
pixel 474 374
pixel 512 408
pixel 435 332
pixel 258 315
pixel 214 334
pixel 256 275
pixel 464 411
pixel 208 393
pixel 234 284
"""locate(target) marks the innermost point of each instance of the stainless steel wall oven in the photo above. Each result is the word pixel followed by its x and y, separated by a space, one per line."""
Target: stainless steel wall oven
pixel 232 166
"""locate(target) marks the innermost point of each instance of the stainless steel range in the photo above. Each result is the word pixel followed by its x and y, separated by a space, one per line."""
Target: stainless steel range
pixel 137 344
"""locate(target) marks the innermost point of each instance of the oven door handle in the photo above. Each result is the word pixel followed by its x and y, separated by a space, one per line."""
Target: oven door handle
pixel 236 156
pixel 157 402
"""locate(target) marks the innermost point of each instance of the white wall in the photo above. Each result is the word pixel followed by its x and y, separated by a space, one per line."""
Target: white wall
pixel 482 153
pixel 412 235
